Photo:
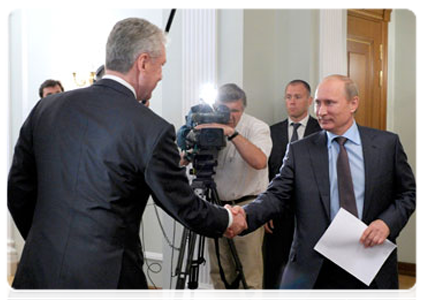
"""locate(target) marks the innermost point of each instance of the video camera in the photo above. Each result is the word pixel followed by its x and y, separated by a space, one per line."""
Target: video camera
pixel 201 145
pixel 206 138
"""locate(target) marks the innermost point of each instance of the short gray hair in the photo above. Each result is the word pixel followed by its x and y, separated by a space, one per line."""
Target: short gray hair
pixel 350 87
pixel 128 39
pixel 230 92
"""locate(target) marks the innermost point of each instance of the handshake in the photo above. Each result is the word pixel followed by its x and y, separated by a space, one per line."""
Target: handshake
pixel 239 222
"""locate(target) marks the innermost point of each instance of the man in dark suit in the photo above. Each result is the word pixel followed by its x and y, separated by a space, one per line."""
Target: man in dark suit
pixel 86 163
pixel 279 231
pixel 378 186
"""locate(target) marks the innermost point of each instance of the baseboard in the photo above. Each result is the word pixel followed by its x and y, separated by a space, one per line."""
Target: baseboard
pixel 407 269
pixel 155 293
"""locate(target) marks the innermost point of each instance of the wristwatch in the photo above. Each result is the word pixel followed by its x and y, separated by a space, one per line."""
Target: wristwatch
pixel 233 135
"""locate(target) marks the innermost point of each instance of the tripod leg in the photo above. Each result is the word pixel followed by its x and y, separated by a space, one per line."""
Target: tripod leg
pixel 181 252
pixel 190 237
pixel 193 276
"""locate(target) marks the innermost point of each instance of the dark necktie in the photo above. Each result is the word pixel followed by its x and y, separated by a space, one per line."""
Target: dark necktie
pixel 345 183
pixel 294 136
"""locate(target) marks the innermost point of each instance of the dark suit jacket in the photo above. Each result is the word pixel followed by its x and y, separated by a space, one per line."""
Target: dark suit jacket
pixel 84 167
pixel 303 185
pixel 279 133
pixel 276 245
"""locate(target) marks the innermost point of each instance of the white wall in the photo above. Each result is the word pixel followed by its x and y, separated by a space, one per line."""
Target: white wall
pixel 297 37
pixel 278 46
pixel 230 46
pixel 259 68
pixel 401 110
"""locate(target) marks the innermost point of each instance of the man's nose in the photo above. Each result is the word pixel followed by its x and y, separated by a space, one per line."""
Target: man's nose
pixel 321 110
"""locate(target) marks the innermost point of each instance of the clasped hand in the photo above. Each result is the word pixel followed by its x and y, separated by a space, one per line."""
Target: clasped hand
pixel 239 222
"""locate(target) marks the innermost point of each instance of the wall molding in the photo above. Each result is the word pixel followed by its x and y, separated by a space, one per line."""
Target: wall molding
pixel 155 256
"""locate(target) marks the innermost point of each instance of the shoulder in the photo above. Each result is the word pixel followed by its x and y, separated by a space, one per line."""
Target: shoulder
pixel 315 139
pixel 253 125
pixel 373 133
pixel 248 119
pixel 280 125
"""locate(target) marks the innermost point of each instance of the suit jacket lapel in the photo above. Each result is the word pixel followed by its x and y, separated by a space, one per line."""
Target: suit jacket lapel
pixel 371 163
pixel 318 154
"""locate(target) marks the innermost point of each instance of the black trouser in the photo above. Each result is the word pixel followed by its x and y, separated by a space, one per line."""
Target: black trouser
pixel 333 277
pixel 276 247
pixel 131 277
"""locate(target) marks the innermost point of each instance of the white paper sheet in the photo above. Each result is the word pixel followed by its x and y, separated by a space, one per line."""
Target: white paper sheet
pixel 341 244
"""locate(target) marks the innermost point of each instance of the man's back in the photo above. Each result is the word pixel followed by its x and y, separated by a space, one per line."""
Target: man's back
pixel 98 154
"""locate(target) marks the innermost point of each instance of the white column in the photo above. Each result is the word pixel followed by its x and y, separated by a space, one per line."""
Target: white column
pixel 199 57
pixel 199 67
pixel 333 42
pixel 11 255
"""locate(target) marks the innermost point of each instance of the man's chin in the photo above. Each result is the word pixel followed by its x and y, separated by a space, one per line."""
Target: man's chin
pixel 325 125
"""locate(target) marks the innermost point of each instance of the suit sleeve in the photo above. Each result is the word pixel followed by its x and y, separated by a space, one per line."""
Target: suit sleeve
pixel 172 192
pixel 22 180
pixel 404 204
pixel 276 199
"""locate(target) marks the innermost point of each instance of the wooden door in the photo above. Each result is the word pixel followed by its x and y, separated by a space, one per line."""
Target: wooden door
pixel 367 63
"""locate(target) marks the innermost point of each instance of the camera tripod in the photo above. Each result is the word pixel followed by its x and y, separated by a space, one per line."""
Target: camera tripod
pixel 206 189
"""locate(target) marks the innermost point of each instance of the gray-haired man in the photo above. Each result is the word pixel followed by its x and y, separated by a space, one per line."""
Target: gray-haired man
pixel 86 163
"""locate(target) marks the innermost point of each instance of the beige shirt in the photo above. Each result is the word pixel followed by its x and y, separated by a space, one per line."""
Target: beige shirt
pixel 234 177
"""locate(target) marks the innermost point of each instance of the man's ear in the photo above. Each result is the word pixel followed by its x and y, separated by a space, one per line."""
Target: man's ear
pixel 354 104
pixel 142 62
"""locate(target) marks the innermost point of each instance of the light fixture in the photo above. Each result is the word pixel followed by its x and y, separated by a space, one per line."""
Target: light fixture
pixel 82 80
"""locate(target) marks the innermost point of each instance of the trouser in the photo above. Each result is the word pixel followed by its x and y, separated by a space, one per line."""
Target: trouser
pixel 249 249
pixel 276 248
pixel 332 276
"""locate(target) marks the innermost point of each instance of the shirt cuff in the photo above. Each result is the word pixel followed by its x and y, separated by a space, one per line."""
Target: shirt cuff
pixel 231 218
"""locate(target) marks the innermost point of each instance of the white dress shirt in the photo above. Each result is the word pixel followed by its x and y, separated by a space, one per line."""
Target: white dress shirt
pixel 300 130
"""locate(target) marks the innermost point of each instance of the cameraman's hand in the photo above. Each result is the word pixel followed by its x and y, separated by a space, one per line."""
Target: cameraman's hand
pixel 227 130
pixel 239 223
pixel 183 161
pixel 252 154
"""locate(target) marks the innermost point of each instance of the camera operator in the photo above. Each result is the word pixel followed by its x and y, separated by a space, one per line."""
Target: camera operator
pixel 241 174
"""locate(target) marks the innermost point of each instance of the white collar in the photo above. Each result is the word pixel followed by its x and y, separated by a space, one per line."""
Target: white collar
pixel 302 122
pixel 121 81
